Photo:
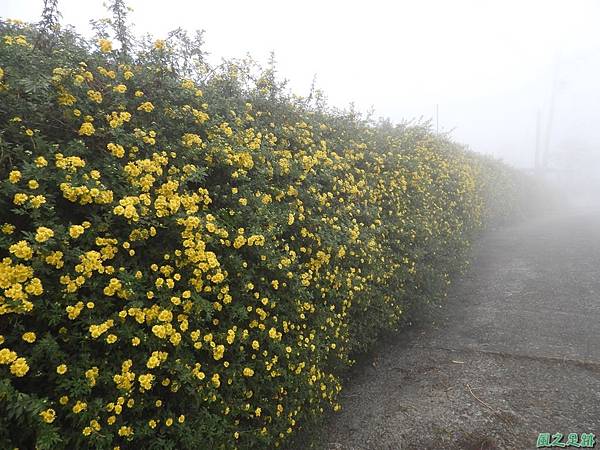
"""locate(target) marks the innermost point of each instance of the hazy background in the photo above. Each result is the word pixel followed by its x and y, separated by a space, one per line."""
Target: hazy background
pixel 489 65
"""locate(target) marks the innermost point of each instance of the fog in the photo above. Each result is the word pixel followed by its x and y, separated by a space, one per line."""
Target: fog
pixel 489 68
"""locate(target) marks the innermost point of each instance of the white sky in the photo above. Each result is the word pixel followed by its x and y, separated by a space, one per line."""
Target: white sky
pixel 488 64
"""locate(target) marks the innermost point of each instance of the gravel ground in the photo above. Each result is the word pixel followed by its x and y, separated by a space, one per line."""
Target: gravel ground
pixel 514 352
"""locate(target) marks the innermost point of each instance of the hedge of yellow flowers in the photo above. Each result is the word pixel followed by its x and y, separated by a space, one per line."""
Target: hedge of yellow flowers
pixel 188 262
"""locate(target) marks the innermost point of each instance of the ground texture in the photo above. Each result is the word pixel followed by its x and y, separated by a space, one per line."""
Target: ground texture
pixel 514 352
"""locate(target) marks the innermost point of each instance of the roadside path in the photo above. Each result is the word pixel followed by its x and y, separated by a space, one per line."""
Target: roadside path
pixel 514 352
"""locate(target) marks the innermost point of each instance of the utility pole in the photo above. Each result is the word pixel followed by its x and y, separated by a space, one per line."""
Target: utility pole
pixel 549 125
pixel 538 144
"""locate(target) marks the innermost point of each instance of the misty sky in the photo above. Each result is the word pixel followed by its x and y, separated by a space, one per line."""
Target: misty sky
pixel 488 64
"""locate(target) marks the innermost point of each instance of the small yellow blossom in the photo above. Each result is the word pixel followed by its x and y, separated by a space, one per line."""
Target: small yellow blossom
pixel 79 406
pixel 14 176
pixel 48 415
pixel 43 234
pixel 87 129
pixel 29 337
pixel 105 45
pixel 146 106
pixel 19 367
pixel 95 96
pixel 21 250
pixel 20 198
pixel 37 201
pixel 40 161
pixel 75 231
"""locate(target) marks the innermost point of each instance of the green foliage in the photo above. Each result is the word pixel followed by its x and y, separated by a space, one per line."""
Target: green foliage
pixel 190 255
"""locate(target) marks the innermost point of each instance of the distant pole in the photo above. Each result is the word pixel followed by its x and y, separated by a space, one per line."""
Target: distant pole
pixel 550 118
pixel 437 118
pixel 538 144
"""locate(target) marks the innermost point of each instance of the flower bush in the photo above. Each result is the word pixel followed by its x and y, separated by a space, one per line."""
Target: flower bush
pixel 188 258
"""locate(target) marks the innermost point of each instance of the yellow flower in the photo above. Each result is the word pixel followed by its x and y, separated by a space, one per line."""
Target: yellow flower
pixel 188 84
pixel 190 140
pixel 169 422
pixel 55 259
pixel 218 352
pixel 29 337
pixel 120 88
pixel 21 250
pixel 37 201
pixel 125 431
pixel 146 106
pixel 7 356
pixel 29 132
pixel 218 278
pixel 40 161
pixel 86 129
pixel 94 96
pixel 165 315
pixel 105 45
pixel 43 234
pixel 48 415
pixel 152 362
pixel 62 369
pixel 65 98
pixel 128 74
pixel 146 381
pixel 21 40
pixel 20 198
pixel 8 228
pixel 79 406
pixel 75 231
pixel 91 375
pixel 248 372
pixel 14 176
pixel 116 149
pixel 175 338
pixel 19 367
pixel 159 44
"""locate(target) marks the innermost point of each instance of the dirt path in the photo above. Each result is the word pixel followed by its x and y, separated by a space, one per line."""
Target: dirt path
pixel 515 352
